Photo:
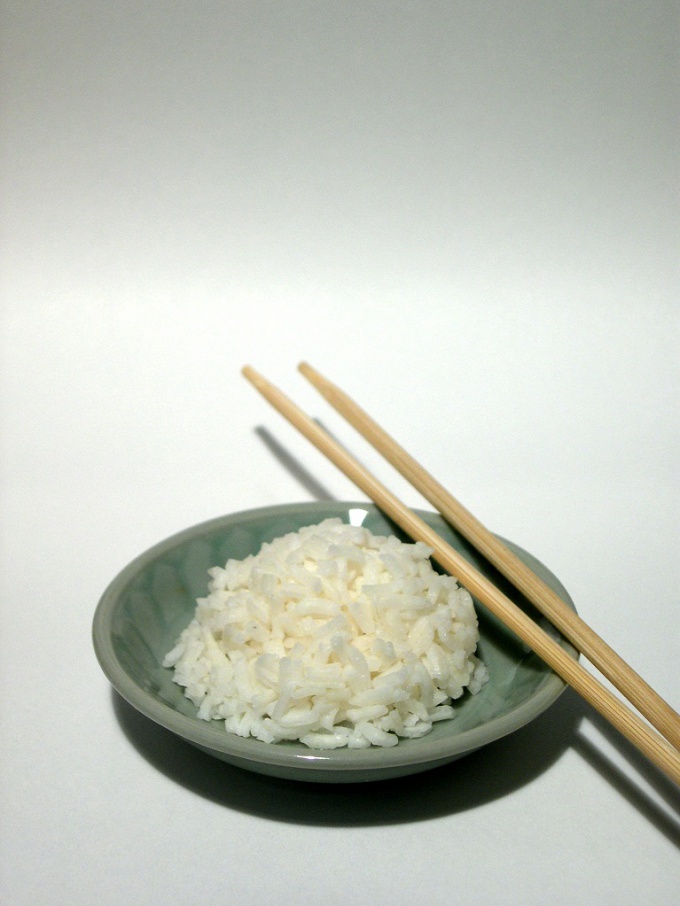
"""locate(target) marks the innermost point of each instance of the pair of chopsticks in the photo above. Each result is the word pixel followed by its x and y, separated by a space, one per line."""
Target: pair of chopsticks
pixel 663 752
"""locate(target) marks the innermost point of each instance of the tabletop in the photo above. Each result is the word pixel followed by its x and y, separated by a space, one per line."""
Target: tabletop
pixel 463 214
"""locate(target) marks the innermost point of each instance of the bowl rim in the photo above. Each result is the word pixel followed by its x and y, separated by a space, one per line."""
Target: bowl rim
pixel 212 735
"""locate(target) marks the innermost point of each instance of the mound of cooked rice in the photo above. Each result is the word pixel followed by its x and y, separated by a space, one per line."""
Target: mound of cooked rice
pixel 332 636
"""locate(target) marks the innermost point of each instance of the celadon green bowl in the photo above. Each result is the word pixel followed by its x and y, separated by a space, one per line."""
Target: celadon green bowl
pixel 149 603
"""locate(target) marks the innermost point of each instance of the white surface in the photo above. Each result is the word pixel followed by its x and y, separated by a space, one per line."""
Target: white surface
pixel 466 215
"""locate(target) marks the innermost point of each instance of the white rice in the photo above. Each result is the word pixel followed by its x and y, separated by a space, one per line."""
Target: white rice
pixel 331 636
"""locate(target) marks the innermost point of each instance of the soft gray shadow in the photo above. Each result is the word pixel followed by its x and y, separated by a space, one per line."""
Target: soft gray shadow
pixel 661 784
pixel 293 465
pixel 489 774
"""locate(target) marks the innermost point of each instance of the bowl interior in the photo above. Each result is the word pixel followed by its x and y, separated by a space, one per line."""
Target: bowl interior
pixel 151 601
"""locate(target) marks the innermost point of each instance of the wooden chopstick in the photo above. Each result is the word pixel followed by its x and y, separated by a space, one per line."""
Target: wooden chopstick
pixel 648 702
pixel 655 747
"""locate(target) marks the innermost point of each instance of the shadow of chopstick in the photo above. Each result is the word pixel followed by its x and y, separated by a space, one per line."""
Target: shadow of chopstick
pixel 662 786
pixel 293 465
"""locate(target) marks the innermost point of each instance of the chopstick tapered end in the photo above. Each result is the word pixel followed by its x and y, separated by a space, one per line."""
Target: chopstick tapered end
pixel 253 376
pixel 306 369
pixel 322 384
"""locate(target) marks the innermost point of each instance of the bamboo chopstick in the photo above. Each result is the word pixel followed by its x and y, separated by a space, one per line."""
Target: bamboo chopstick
pixel 648 702
pixel 650 743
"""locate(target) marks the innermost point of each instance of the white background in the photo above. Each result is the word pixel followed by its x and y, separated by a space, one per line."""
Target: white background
pixel 466 214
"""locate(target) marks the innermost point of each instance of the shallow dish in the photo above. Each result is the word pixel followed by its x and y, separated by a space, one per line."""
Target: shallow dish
pixel 146 606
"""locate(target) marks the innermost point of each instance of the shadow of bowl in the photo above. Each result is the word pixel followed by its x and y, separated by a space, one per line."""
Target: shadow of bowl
pixel 491 773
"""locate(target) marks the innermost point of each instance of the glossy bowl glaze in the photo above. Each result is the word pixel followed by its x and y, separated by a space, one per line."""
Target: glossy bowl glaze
pixel 149 603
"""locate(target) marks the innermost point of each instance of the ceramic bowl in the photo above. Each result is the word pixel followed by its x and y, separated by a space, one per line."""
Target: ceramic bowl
pixel 144 609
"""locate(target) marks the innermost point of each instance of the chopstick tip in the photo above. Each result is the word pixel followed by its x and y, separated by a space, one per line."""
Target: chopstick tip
pixel 313 376
pixel 251 375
